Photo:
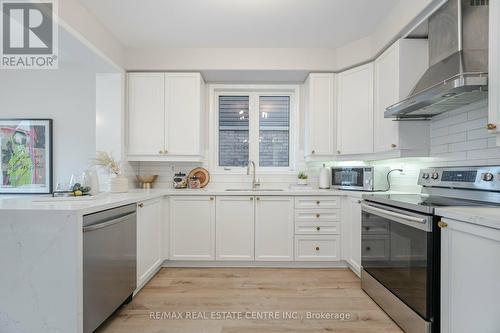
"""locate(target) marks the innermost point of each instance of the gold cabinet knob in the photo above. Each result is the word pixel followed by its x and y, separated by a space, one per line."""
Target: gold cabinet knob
pixel 338 151
pixel 491 126
pixel 317 216
pixel 251 198
pixel 318 228
pixel 141 205
pixel 393 145
pixel 318 202
pixel 442 224
pixel 313 152
pixel 257 198
pixel 211 198
pixel 160 152
pixel 317 248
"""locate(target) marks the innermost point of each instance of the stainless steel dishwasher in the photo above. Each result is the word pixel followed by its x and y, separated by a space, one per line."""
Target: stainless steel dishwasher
pixel 109 263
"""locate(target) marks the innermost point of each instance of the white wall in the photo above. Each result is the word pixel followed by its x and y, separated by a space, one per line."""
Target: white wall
pixel 66 95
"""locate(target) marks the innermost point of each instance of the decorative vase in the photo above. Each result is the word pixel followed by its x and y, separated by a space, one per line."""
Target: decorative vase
pixel 302 181
pixel 118 184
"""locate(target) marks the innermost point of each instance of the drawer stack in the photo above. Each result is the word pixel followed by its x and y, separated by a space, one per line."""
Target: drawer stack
pixel 317 228
pixel 376 241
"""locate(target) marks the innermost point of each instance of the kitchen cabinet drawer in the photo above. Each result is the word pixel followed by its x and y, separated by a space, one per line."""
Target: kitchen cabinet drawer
pixel 319 228
pixel 317 248
pixel 375 247
pixel 377 228
pixel 317 202
pixel 317 215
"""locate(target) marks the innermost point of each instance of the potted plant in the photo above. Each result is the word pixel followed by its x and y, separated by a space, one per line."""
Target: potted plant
pixel 302 178
pixel 118 182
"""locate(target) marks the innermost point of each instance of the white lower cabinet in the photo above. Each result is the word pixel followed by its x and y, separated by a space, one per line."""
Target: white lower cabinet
pixel 274 228
pixel 192 228
pixel 234 228
pixel 149 237
pixel 470 269
pixel 317 248
pixel 351 232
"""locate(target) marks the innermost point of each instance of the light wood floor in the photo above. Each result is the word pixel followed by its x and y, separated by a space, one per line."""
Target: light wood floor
pixel 249 290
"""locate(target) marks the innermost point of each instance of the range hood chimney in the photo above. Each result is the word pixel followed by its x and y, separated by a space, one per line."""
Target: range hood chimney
pixel 458 62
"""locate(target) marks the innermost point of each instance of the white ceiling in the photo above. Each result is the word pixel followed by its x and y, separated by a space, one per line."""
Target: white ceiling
pixel 239 23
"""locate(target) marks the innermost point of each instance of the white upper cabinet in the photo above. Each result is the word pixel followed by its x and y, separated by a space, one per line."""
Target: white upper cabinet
pixel 184 105
pixel 397 71
pixel 165 116
pixel 494 70
pixel 319 115
pixel 146 112
pixel 355 111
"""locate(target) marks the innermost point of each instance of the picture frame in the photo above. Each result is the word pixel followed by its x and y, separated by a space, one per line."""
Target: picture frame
pixel 26 156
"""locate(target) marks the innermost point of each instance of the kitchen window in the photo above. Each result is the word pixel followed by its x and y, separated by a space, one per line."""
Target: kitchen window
pixel 254 126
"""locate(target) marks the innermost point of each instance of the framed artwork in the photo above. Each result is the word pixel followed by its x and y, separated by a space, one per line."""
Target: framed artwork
pixel 26 156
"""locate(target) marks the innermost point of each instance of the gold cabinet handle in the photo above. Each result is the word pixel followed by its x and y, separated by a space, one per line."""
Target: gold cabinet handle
pixel 317 216
pixel 165 151
pixel 338 151
pixel 317 248
pixel 394 145
pixel 491 126
pixel 211 198
pixel 141 205
pixel 251 198
pixel 318 228
pixel 313 152
pixel 442 224
pixel 258 198
pixel 318 202
pixel 160 152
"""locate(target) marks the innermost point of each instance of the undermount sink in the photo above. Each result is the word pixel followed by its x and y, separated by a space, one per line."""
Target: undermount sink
pixel 250 189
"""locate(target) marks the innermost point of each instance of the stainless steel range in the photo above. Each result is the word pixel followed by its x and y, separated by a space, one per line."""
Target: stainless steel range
pixel 400 241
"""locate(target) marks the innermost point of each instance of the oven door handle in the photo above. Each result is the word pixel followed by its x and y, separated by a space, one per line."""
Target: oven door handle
pixel 412 221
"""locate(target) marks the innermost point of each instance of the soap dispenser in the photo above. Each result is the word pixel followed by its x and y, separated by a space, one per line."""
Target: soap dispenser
pixel 324 177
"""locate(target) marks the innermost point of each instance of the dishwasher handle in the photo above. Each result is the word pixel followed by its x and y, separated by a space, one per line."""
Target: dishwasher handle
pixel 107 223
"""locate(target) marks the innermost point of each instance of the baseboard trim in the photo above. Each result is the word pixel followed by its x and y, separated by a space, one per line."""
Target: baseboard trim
pixel 262 264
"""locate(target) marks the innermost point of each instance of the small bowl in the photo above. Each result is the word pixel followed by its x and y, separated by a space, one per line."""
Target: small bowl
pixel 147 180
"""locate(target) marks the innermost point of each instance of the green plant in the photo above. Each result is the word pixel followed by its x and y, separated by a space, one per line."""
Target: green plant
pixel 302 175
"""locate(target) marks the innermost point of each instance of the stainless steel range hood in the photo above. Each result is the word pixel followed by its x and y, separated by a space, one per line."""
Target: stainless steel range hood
pixel 458 53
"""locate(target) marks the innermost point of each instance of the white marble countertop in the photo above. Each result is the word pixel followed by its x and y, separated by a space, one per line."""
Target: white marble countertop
pixel 484 216
pixel 105 201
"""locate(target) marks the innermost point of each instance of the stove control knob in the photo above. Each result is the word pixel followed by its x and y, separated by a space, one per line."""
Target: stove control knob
pixel 425 175
pixel 435 175
pixel 487 176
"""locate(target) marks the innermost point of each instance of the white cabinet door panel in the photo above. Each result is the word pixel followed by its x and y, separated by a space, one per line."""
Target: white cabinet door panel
pixel 192 228
pixel 320 115
pixel 234 228
pixel 146 105
pixel 470 267
pixel 149 236
pixel 355 111
pixel 274 228
pixel 183 113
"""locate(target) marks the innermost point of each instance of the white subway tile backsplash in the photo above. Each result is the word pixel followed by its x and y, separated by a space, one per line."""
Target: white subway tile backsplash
pixel 450 120
pixel 468 145
pixel 468 125
pixel 452 138
pixel 460 137
pixel 480 133
pixel 437 132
